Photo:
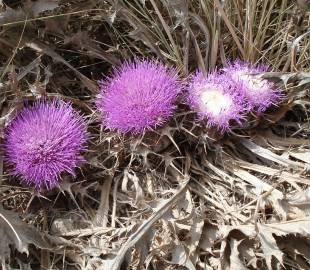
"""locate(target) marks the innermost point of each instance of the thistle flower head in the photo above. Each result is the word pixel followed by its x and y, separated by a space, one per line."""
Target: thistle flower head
pixel 44 141
pixel 139 96
pixel 259 92
pixel 215 100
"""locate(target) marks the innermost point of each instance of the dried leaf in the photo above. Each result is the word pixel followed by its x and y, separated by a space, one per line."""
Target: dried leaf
pixel 210 234
pixel 115 263
pixel 29 10
pixel 269 246
pixel 275 196
pixel 300 198
pixel 11 15
pixel 181 258
pixel 43 5
pixel 234 260
pixel 265 234
pixel 19 234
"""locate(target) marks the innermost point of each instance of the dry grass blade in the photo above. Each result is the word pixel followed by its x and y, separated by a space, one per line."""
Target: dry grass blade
pixel 229 26
pixel 165 205
pixel 15 51
pixel 244 202
pixel 17 22
pixel 200 22
pixel 101 218
pixel 267 154
pixel 166 27
pixel 284 176
pixel 41 48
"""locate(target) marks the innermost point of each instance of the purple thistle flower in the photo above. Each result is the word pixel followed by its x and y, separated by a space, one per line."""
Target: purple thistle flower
pixel 139 96
pixel 259 92
pixel 44 141
pixel 216 100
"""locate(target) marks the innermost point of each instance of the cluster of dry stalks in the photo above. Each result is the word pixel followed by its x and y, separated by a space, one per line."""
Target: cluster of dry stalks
pixel 177 198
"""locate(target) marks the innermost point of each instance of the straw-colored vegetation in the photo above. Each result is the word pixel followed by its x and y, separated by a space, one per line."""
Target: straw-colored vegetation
pixel 180 198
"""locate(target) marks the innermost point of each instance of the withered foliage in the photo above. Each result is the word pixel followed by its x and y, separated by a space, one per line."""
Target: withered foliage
pixel 178 197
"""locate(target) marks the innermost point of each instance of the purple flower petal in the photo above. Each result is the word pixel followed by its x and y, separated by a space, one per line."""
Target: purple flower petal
pixel 43 141
pixel 259 92
pixel 139 96
pixel 215 99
